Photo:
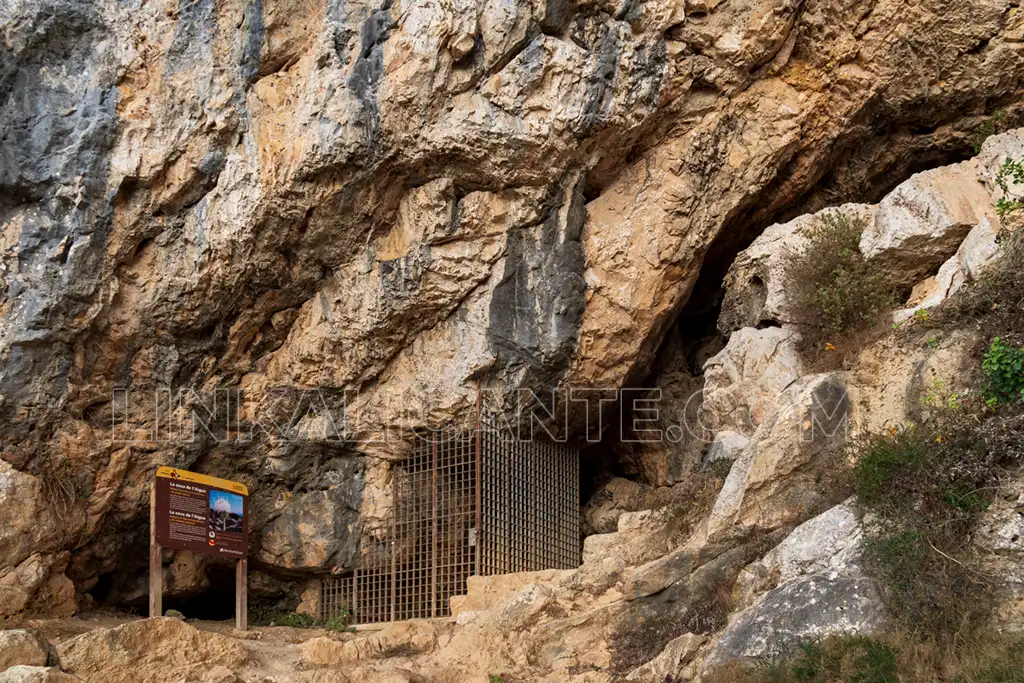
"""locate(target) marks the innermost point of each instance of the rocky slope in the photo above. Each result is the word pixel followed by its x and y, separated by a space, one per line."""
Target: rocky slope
pixel 671 592
pixel 401 204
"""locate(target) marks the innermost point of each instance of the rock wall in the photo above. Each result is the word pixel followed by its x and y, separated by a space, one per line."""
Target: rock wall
pixel 397 204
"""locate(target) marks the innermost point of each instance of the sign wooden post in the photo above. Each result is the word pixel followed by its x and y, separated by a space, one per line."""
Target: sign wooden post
pixel 200 514
pixel 241 594
pixel 156 567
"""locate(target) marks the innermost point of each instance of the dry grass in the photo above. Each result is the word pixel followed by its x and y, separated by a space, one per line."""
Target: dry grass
pixel 925 489
pixel 891 658
pixel 63 486
pixel 691 500
pixel 995 303
pixel 831 283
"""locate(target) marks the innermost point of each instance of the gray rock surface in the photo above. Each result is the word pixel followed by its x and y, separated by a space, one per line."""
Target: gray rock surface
pixel 811 607
pixel 35 674
pixel 727 446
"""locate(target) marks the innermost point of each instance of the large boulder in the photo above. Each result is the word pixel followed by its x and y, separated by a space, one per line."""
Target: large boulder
pixel 316 530
pixel 978 251
pixel 756 285
pixel 149 651
pixel 924 220
pixel 937 224
pixel 38 584
pixel 744 383
pixel 22 647
pixel 809 586
pixel 830 541
pixel 808 608
pixel 773 482
pixel 995 151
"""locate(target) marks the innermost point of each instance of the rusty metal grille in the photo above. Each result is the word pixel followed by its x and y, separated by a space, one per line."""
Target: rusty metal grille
pixel 530 503
pixel 476 502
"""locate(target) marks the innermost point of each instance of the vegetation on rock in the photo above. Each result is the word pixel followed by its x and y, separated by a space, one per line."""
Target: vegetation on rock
pixel 997 123
pixel 337 623
pixel 888 659
pixel 834 288
pixel 1010 173
pixel 924 487
pixel 1004 372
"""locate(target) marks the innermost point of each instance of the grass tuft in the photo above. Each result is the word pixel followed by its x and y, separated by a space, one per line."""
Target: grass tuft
pixel 901 657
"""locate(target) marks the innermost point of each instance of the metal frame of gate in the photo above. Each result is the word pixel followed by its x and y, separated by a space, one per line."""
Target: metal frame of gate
pixel 479 502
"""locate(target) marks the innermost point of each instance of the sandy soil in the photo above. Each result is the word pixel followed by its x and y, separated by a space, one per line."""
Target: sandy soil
pixel 273 650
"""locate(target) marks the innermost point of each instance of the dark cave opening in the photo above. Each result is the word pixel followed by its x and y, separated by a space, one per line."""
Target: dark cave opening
pixel 621 452
pixel 215 603
pixel 862 168
pixel 101 592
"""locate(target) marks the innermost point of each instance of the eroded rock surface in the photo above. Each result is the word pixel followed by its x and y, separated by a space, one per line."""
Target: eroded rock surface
pixel 406 201
pixel 149 650
pixel 378 210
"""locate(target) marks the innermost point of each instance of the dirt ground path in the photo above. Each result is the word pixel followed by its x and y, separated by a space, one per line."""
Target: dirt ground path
pixel 274 651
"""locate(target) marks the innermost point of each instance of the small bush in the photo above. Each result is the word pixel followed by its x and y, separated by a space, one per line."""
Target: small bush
pixel 272 615
pixel 1011 172
pixel 1004 372
pixel 293 620
pixel 925 488
pixel 831 283
pixel 997 123
pixel 931 471
pixel 338 623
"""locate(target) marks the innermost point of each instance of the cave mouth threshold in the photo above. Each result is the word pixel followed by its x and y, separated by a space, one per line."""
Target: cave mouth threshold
pixel 479 502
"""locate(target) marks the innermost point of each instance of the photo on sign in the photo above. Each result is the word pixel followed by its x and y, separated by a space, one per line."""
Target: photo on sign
pixel 225 512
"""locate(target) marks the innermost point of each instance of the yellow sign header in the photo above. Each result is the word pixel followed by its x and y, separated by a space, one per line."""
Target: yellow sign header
pixel 196 478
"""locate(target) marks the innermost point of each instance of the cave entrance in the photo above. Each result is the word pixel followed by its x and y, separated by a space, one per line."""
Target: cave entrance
pixel 475 502
pixel 216 603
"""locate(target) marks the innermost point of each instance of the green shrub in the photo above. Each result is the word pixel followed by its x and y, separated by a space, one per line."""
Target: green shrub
pixel 270 615
pixel 339 622
pixel 294 620
pixel 1004 372
pixel 933 471
pixel 831 283
pixel 997 123
pixel 1011 172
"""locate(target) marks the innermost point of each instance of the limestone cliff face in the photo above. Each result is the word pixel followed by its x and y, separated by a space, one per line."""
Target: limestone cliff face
pixel 406 201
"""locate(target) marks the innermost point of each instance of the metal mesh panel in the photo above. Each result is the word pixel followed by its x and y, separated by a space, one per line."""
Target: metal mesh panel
pixel 479 502
pixel 530 503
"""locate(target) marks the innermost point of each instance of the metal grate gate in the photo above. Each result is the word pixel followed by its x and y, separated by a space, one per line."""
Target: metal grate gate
pixel 530 504
pixel 479 502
